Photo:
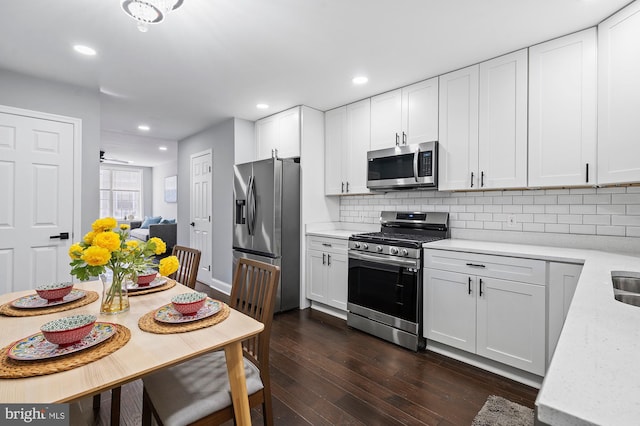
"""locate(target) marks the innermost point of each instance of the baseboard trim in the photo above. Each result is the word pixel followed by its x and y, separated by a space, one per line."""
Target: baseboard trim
pixel 218 285
pixel 329 310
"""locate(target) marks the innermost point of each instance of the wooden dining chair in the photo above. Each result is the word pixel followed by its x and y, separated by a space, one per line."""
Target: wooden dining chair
pixel 197 391
pixel 189 259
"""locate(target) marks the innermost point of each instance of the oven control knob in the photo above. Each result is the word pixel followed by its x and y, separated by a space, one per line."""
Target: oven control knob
pixel 405 252
pixel 365 246
pixel 356 245
pixel 394 250
pixel 379 248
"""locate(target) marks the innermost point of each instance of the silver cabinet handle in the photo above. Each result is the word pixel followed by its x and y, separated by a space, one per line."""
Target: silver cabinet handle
pixel 471 179
pixel 323 258
pixel 397 139
pixel 347 186
pixel 342 190
pixel 482 178
pixel 326 244
pixel 404 138
pixel 476 265
pixel 328 260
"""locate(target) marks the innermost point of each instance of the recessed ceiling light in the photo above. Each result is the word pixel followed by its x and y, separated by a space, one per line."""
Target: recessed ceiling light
pixel 85 50
pixel 162 148
pixel 144 127
pixel 262 106
pixel 360 80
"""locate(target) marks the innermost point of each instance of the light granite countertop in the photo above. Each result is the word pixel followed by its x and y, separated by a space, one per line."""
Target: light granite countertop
pixel 341 230
pixel 593 377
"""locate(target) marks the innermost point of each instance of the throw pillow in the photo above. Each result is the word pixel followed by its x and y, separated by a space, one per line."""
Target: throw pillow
pixel 150 221
pixel 167 221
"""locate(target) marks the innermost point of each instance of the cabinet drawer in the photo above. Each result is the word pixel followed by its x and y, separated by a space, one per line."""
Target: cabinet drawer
pixel 327 244
pixel 503 267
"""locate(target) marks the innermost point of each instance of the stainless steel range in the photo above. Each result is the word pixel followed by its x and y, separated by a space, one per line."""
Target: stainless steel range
pixel 385 276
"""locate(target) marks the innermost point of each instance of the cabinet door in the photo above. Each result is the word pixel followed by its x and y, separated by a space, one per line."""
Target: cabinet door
pixel 337 277
pixel 619 97
pixel 458 127
pixel 420 111
pixel 288 143
pixel 450 308
pixel 563 279
pixel 511 323
pixel 502 145
pixel 358 143
pixel 316 276
pixel 335 145
pixel 386 120
pixel 562 111
pixel 266 137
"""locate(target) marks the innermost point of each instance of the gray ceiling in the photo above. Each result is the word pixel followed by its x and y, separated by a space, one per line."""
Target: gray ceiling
pixel 214 59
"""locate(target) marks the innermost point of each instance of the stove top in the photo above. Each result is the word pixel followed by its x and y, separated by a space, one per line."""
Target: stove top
pixel 395 238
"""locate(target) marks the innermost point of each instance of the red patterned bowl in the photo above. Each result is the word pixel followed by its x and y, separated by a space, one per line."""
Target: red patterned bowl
pixel 145 278
pixel 55 291
pixel 188 303
pixel 68 330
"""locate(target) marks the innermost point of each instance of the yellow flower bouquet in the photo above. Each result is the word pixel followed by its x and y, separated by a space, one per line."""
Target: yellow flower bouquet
pixel 106 248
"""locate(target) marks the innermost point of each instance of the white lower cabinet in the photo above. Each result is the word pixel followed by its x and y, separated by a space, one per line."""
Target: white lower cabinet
pixel 563 279
pixel 473 302
pixel 327 271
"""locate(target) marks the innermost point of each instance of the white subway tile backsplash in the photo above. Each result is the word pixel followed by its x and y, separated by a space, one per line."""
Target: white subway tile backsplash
pixel 611 212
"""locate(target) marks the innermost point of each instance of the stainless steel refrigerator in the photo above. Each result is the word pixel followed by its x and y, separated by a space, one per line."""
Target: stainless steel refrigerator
pixel 266 225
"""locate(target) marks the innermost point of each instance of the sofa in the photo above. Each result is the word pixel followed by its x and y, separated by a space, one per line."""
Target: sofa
pixel 167 232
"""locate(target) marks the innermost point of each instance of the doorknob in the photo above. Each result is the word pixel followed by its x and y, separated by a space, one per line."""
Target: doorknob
pixel 62 236
pixel 192 224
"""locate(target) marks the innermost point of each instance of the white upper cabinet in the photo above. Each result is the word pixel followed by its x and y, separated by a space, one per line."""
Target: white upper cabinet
pixel 502 161
pixel 619 97
pixel 278 135
pixel 335 141
pixel 458 127
pixel 562 111
pixel 483 125
pixel 405 116
pixel 347 138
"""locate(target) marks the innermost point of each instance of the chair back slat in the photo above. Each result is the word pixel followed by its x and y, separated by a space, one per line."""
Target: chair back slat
pixel 254 294
pixel 189 259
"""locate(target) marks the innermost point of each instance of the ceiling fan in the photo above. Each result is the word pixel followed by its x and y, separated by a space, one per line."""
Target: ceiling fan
pixel 104 159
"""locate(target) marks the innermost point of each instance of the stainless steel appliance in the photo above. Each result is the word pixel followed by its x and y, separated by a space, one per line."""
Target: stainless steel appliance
pixel 266 225
pixel 385 276
pixel 403 167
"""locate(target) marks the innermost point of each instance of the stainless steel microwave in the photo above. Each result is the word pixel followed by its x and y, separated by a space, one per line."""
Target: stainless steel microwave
pixel 403 167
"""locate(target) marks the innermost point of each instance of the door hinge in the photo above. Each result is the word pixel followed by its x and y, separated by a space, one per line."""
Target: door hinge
pixel 209 218
pixel 209 267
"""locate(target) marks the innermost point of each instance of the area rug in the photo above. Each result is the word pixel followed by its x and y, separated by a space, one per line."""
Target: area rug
pixel 498 411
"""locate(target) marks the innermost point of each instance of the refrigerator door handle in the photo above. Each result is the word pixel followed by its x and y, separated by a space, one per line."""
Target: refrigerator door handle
pixel 253 205
pixel 249 204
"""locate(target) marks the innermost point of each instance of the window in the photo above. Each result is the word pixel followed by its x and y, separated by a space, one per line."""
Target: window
pixel 120 192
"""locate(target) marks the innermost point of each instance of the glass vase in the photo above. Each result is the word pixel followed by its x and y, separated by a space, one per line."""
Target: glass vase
pixel 114 294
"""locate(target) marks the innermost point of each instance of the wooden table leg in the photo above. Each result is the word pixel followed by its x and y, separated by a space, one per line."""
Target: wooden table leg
pixel 115 406
pixel 238 384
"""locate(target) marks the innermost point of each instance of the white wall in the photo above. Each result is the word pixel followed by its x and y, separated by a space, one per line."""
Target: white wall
pixel 244 141
pixel 220 139
pixel 597 218
pixel 161 207
pixel 35 94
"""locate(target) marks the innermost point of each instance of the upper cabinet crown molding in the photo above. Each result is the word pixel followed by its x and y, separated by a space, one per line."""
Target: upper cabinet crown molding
pixel 562 111
pixel 405 116
pixel 619 97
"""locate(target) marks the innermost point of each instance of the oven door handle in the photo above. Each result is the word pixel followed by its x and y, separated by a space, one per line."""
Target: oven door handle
pixel 387 260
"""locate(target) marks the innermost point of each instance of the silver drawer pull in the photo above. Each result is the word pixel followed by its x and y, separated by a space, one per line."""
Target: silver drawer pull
pixel 326 244
pixel 476 265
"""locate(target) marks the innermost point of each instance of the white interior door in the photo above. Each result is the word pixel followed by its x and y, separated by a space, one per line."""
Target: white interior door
pixel 37 198
pixel 201 190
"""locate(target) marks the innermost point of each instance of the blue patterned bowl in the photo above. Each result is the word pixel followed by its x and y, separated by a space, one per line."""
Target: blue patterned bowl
pixel 68 330
pixel 54 291
pixel 188 303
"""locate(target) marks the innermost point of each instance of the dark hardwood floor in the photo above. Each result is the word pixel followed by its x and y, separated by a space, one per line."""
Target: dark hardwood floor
pixel 325 373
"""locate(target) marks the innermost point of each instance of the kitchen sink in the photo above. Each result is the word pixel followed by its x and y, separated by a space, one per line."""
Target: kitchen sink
pixel 626 287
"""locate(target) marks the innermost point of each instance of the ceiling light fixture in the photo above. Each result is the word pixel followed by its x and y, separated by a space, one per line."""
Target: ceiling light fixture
pixel 149 11
pixel 162 148
pixel 360 80
pixel 262 106
pixel 85 50
pixel 144 127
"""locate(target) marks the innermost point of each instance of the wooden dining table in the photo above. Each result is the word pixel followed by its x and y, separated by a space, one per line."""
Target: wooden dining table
pixel 143 354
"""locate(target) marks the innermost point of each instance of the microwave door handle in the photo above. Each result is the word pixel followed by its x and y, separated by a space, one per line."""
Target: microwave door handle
pixel 415 164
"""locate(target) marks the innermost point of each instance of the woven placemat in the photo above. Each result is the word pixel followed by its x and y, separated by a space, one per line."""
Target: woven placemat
pixel 148 322
pixel 13 369
pixel 10 311
pixel 166 286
